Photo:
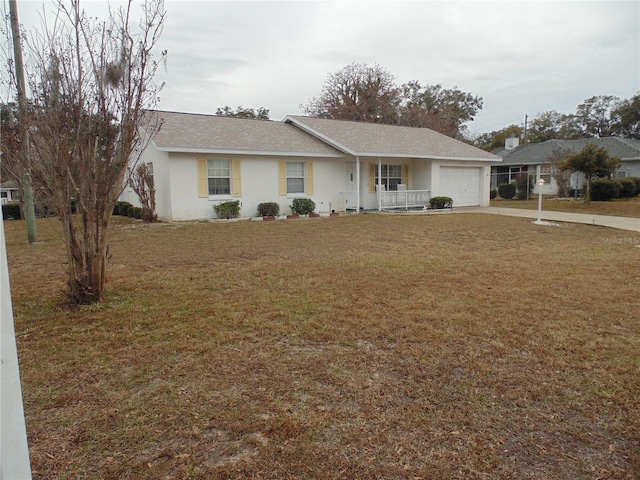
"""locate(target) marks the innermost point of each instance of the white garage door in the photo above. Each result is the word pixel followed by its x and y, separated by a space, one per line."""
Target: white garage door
pixel 462 184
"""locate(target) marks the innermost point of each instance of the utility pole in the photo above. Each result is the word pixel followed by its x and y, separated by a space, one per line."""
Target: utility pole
pixel 526 131
pixel 25 157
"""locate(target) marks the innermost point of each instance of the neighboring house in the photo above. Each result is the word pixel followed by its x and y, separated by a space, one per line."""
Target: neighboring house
pixel 9 192
pixel 533 159
pixel 199 161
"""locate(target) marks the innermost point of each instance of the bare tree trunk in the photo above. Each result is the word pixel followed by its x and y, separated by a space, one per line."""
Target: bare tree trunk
pixel 27 188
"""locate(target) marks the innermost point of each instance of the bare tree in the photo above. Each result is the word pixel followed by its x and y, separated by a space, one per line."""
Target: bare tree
pixel 92 94
pixel 357 92
pixel 143 185
pixel 557 161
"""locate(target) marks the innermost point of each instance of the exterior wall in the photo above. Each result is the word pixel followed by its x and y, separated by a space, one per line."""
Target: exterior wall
pixel 260 183
pixel 630 167
pixel 9 195
pixel 162 181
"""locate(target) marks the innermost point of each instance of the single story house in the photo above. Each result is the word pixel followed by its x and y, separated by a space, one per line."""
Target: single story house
pixel 199 161
pixel 9 192
pixel 533 159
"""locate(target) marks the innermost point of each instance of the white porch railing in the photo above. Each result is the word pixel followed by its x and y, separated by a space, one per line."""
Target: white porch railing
pixel 404 198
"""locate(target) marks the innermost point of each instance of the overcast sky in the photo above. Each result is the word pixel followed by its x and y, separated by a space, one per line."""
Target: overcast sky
pixel 520 57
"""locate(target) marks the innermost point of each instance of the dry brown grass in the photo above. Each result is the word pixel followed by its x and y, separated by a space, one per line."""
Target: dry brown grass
pixel 621 207
pixel 359 347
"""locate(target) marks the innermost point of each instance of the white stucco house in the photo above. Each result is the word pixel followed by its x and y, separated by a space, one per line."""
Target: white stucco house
pixel 199 161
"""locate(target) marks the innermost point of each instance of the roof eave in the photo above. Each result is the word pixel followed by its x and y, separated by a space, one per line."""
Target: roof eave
pixel 261 153
pixel 427 156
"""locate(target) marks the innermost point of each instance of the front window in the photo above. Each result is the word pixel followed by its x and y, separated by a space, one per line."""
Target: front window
pixel 295 177
pixel 219 177
pixel 391 177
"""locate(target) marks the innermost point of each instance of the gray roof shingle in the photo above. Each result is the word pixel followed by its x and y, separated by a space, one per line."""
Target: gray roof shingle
pixel 188 132
pixel 534 153
pixel 375 139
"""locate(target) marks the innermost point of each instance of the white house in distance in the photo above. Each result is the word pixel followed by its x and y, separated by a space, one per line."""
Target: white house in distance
pixel 199 161
pixel 533 159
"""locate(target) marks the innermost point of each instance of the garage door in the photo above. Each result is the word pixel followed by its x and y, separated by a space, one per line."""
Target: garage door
pixel 462 184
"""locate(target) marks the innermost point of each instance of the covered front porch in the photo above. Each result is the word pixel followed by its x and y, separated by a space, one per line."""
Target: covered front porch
pixel 382 183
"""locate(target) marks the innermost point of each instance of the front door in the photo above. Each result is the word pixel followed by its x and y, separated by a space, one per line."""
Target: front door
pixel 350 186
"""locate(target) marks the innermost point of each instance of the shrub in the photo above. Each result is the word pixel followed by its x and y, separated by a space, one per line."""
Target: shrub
pixel 629 188
pixel 121 208
pixel 603 189
pixel 493 194
pixel 11 210
pixel 228 210
pixel 507 190
pixel 637 180
pixel 137 212
pixel 441 202
pixel 268 209
pixel 303 206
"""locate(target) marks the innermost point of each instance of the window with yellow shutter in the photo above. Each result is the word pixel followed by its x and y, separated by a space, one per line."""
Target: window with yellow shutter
pixel 219 177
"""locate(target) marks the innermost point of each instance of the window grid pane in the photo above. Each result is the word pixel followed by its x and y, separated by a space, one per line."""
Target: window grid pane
pixel 219 177
pixel 391 176
pixel 295 177
pixel 295 185
pixel 219 186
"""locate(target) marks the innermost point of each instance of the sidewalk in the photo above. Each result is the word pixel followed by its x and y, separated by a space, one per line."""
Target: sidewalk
pixel 623 223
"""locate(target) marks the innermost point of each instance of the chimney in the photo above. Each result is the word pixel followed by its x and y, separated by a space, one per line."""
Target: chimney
pixel 511 143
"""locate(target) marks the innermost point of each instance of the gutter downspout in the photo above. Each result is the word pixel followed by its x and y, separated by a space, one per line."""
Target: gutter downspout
pixel 357 184
pixel 379 186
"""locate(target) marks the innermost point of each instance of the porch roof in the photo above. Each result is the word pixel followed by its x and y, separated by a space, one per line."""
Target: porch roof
pixel 379 140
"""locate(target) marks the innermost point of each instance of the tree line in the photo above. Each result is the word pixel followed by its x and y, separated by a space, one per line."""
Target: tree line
pixel 598 116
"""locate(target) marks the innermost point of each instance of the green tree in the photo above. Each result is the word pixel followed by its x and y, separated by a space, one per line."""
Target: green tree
pixel 554 125
pixel 370 94
pixel 496 139
pixel 626 117
pixel 442 109
pixel 241 112
pixel 594 116
pixel 593 162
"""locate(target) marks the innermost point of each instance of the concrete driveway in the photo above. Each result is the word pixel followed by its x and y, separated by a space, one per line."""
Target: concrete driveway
pixel 623 223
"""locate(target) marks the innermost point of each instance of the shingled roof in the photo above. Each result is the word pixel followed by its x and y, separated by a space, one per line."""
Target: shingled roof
pixel 189 132
pixel 379 140
pixel 535 153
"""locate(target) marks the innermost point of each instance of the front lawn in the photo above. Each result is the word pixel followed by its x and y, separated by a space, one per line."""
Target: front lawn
pixel 358 347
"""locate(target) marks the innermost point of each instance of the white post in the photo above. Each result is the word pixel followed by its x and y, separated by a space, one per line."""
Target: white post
pixel 540 185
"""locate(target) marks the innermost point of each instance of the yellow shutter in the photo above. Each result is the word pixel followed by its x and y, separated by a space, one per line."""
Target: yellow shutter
pixel 203 182
pixel 372 178
pixel 282 177
pixel 309 179
pixel 405 175
pixel 236 186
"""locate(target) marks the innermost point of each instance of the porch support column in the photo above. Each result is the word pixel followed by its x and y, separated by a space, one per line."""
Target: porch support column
pixel 379 186
pixel 357 184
